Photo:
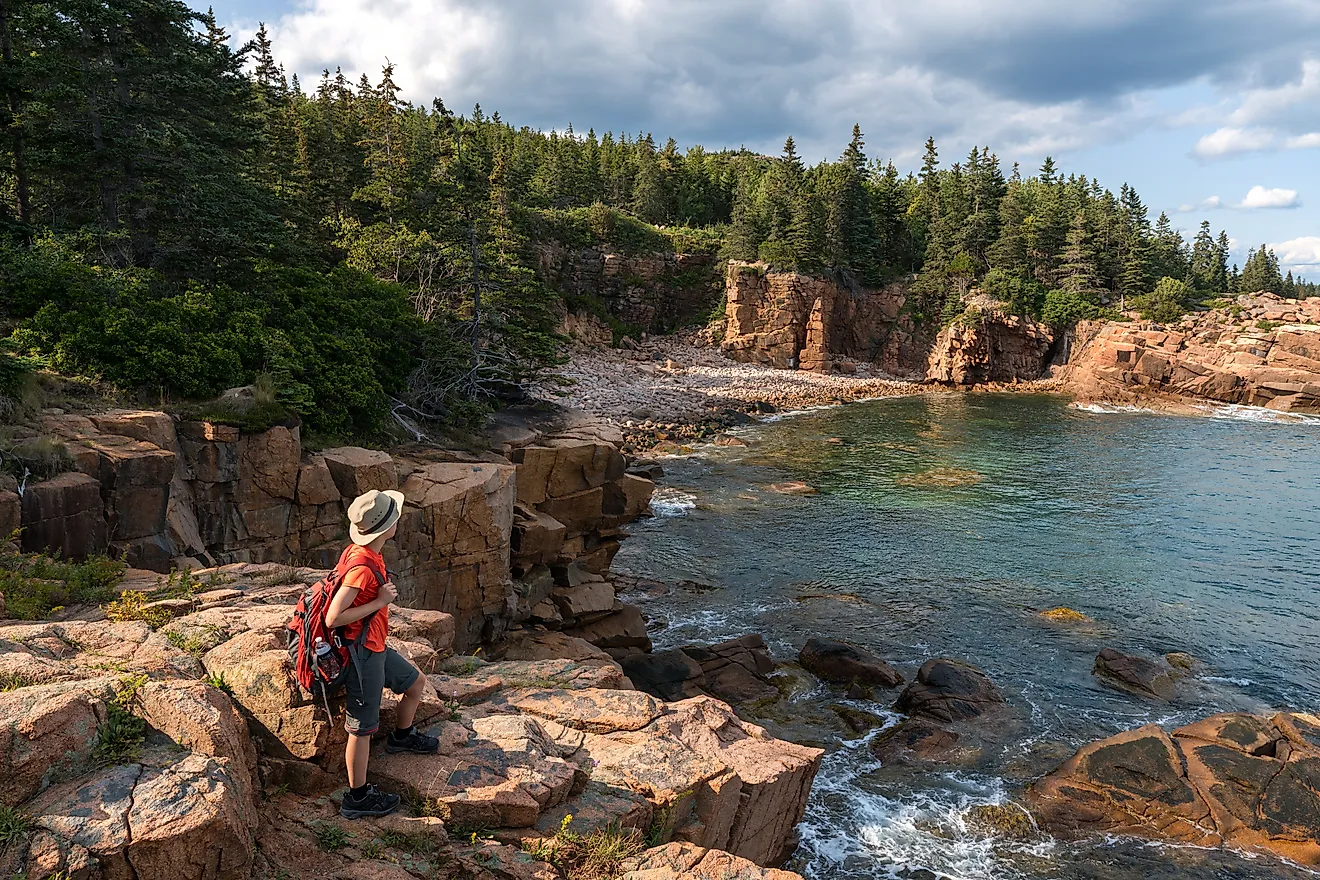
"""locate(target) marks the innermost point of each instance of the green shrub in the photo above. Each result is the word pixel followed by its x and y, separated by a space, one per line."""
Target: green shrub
pixel 1166 303
pixel 132 605
pixel 1064 308
pixel 12 681
pixel 34 585
pixel 330 837
pixel 1267 326
pixel 335 345
pixel 597 225
pixel 1019 296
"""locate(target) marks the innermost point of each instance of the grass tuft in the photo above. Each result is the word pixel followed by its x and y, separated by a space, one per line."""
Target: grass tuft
pixel 598 855
pixel 330 837
pixel 14 826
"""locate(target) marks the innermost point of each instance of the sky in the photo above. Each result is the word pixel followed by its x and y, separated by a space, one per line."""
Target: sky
pixel 1209 108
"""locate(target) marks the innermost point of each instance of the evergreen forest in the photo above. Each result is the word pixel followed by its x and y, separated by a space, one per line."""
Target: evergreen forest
pixel 177 217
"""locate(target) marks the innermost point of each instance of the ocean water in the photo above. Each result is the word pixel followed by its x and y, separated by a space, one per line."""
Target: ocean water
pixel 941 525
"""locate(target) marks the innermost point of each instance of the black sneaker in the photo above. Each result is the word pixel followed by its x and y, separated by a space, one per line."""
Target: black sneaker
pixel 373 802
pixel 415 742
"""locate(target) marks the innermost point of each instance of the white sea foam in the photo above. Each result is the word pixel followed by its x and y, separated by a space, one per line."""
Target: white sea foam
pixel 1109 409
pixel 1239 413
pixel 926 829
pixel 668 501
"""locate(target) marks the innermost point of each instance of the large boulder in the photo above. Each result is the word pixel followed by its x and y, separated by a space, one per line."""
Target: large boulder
pixel 843 663
pixel 162 820
pixel 1243 781
pixel 716 780
pixel 990 346
pixel 356 470
pixel 48 733
pixel 949 690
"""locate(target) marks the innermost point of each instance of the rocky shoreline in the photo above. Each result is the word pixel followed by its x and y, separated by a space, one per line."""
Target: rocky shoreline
pixel 670 391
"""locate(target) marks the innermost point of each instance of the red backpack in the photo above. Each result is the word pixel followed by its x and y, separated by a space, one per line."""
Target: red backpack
pixel 324 673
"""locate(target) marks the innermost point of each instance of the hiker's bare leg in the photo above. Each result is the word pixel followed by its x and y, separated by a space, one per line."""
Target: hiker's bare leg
pixel 408 703
pixel 355 756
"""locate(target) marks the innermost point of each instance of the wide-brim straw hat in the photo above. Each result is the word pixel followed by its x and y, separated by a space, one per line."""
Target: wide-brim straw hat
pixel 372 513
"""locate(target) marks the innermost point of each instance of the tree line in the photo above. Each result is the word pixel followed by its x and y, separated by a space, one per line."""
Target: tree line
pixel 179 216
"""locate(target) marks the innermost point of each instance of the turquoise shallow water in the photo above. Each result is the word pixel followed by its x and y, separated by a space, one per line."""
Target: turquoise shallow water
pixel 1174 534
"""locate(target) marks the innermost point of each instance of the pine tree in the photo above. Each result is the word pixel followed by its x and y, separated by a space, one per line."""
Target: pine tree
pixel 1205 261
pixel 1076 273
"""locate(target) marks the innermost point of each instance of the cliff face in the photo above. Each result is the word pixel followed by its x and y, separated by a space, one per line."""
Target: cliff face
pixel 655 293
pixel 481 539
pixel 783 319
pixel 990 347
pixel 1262 351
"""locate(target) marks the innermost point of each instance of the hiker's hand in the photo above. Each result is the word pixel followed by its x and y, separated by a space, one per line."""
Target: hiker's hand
pixel 388 593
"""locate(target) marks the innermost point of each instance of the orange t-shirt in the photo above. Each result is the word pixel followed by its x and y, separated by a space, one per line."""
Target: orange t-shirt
pixel 364 581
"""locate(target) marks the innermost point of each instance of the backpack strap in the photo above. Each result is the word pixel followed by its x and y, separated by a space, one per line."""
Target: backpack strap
pixel 366 621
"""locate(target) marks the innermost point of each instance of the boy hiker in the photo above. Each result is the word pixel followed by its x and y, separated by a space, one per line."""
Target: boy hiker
pixel 364 599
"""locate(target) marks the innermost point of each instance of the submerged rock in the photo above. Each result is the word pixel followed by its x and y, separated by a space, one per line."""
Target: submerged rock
pixel 1244 781
pixel 915 739
pixel 1065 615
pixel 1136 675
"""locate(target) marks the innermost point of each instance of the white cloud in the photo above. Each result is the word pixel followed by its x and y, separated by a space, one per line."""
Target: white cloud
pixel 1299 253
pixel 1232 142
pixel 1260 197
pixel 1206 204
pixel 1303 141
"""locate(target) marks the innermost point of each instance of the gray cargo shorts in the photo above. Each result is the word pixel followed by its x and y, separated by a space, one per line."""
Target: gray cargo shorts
pixel 366 681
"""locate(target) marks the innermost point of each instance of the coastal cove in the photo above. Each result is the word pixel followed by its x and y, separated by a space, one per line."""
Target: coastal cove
pixel 941 526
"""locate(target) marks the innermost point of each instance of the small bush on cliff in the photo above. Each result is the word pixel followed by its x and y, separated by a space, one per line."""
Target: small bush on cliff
pixel 1020 297
pixel 132 605
pixel 34 458
pixel 1166 303
pixel 34 585
pixel 597 855
pixel 119 738
pixel 1064 308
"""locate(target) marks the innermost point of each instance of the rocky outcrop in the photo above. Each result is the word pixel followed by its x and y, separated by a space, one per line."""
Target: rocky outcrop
pixel 1260 351
pixel 787 320
pixel 525 744
pixel 482 538
pixel 651 293
pixel 182 804
pixel 990 346
pixel 1243 781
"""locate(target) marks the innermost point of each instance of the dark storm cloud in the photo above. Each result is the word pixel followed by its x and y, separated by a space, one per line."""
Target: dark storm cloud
pixel 1027 74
